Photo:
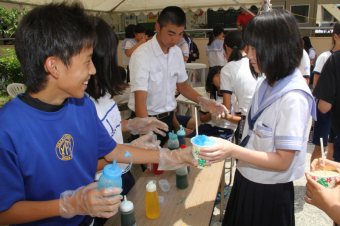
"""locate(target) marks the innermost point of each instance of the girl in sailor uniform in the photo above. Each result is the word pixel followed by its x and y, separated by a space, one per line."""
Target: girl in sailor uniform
pixel 273 152
pixel 215 51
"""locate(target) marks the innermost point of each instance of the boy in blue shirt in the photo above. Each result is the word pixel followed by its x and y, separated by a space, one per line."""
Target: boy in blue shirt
pixel 50 136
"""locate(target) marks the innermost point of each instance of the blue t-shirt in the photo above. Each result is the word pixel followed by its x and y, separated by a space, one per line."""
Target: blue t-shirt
pixel 43 154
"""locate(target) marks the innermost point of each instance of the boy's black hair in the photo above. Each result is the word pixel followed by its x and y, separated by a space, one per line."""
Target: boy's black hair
pixel 130 31
pixel 173 15
pixel 122 73
pixel 276 37
pixel 149 32
pixel 308 43
pixel 217 30
pixel 61 30
pixel 107 78
pixel 336 30
pixel 139 28
pixel 233 39
pixel 209 86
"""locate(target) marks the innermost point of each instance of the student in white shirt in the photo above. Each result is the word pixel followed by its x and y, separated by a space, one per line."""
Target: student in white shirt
pixel 214 49
pixel 131 44
pixel 273 152
pixel 305 66
pixel 157 68
pixel 322 127
pixel 236 78
pixel 309 49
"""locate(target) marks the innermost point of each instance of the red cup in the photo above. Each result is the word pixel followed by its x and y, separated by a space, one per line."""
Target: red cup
pixel 155 169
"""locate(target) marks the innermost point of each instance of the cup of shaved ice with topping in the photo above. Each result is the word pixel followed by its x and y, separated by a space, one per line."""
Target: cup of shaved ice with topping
pixel 325 178
pixel 199 142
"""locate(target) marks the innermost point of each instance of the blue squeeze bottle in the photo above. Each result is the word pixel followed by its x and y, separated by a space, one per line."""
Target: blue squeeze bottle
pixel 112 175
pixel 181 135
pixel 173 143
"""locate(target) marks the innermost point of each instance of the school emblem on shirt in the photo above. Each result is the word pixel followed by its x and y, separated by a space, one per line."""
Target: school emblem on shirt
pixel 64 148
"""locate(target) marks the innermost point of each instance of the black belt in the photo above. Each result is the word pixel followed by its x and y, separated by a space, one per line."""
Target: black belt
pixel 161 115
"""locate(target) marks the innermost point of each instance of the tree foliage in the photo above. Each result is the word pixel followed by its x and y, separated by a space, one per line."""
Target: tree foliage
pixel 10 70
pixel 9 21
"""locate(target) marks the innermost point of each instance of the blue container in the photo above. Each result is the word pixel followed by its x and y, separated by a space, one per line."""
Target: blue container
pixel 112 175
pixel 181 136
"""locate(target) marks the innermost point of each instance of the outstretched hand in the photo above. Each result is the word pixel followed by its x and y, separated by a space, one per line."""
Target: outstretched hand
pixel 171 160
pixel 217 109
pixel 145 125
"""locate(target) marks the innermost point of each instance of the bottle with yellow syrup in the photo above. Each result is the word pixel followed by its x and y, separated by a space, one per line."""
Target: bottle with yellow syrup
pixel 152 207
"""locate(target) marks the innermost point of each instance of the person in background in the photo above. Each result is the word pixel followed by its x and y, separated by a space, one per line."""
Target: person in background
pixel 129 36
pixel 183 44
pixel 243 19
pixel 49 179
pixel 237 80
pixel 194 53
pixel 132 44
pixel 149 34
pixel 158 68
pixel 310 50
pixel 328 200
pixel 215 51
pixel 323 126
pixel 273 152
pixel 305 66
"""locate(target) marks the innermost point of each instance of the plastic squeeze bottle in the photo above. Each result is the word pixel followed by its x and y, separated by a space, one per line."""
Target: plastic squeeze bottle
pixel 181 135
pixel 152 207
pixel 112 175
pixel 173 143
pixel 182 178
pixel 126 210
pixel 182 147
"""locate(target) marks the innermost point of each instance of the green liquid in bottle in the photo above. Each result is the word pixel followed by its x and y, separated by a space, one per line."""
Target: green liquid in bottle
pixel 182 181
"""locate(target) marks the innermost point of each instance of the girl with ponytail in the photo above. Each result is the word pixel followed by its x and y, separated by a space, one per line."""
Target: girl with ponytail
pixel 215 51
pixel 236 78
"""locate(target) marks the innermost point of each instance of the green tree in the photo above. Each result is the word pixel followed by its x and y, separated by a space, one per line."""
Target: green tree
pixel 9 21
pixel 10 70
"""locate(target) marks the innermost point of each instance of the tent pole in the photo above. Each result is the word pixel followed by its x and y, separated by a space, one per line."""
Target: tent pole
pixel 244 7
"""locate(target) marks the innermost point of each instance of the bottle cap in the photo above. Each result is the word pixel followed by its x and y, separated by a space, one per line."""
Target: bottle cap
pixel 126 205
pixel 112 171
pixel 161 200
pixel 182 146
pixel 164 184
pixel 151 186
pixel 181 131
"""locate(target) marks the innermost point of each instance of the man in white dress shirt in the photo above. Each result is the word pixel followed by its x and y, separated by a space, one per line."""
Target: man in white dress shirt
pixel 157 68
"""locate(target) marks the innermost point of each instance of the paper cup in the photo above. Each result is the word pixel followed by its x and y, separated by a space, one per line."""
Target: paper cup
pixel 195 152
pixel 327 181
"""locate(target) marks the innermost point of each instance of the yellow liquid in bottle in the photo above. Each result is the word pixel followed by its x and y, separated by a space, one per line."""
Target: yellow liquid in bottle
pixel 152 207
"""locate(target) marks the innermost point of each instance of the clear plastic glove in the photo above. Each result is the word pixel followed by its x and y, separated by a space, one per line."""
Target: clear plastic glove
pixel 218 152
pixel 147 141
pixel 88 200
pixel 145 125
pixel 217 109
pixel 172 160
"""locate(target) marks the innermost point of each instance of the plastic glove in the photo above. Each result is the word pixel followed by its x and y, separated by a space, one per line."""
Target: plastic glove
pixel 217 109
pixel 171 160
pixel 147 141
pixel 145 125
pixel 88 200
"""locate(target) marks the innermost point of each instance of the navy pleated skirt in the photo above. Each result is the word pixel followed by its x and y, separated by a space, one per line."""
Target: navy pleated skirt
pixel 253 204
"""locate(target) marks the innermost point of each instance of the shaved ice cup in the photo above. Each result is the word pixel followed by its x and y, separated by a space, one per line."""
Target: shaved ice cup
pixel 327 181
pixel 196 150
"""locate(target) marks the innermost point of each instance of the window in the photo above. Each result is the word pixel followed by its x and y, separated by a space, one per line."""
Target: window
pixel 301 13
pixel 278 7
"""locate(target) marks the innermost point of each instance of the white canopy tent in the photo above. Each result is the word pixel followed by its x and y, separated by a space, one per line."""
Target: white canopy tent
pixel 141 6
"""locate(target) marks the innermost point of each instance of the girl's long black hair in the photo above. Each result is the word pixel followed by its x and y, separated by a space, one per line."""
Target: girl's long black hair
pixel 308 43
pixel 217 30
pixel 336 30
pixel 107 78
pixel 209 86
